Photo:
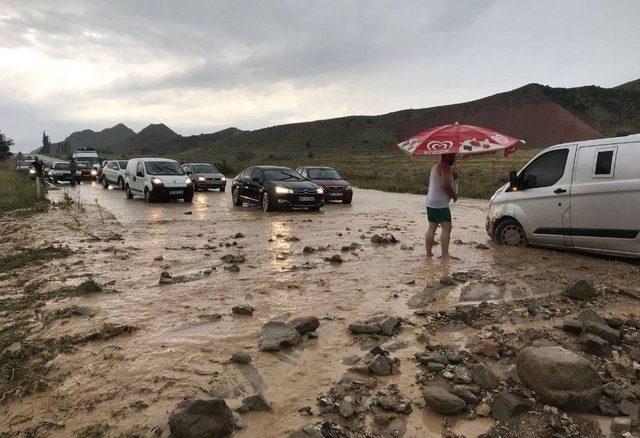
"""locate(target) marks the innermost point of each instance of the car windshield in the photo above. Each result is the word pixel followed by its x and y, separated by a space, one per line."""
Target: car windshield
pixel 90 160
pixel 83 165
pixel 282 175
pixel 163 168
pixel 61 166
pixel 323 174
pixel 123 164
pixel 204 168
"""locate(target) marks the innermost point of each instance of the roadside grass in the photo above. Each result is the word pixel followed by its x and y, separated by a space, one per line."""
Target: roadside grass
pixel 17 191
pixel 377 168
pixel 31 256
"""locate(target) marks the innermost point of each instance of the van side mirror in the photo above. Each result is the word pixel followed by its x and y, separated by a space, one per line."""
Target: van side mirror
pixel 513 179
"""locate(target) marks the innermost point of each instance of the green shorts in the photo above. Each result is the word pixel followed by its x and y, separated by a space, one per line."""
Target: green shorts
pixel 439 215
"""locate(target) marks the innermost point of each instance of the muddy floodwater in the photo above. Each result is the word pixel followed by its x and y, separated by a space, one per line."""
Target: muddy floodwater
pixel 186 331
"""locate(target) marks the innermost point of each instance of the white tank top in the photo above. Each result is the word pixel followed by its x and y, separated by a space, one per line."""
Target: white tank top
pixel 436 196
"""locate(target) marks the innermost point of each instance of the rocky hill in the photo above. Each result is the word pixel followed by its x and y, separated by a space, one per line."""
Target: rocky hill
pixel 539 114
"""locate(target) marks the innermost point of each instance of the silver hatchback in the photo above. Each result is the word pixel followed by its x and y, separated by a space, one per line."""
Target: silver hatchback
pixel 205 176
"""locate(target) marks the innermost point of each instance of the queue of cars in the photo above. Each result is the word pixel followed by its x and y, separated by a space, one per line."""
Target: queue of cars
pixel 269 187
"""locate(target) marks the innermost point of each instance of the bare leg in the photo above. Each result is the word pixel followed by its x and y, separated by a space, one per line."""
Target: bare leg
pixel 429 238
pixel 444 238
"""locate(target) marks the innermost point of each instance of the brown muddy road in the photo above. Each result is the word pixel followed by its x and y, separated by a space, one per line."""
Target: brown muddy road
pixel 180 350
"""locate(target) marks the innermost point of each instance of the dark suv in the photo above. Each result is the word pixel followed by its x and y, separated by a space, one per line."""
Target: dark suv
pixel 273 187
pixel 336 188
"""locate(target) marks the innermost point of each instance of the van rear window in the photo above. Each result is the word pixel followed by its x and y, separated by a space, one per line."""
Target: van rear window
pixel 603 162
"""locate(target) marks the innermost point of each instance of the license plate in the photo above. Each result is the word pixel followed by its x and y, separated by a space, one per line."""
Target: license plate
pixel 307 198
pixel 175 192
pixel 336 194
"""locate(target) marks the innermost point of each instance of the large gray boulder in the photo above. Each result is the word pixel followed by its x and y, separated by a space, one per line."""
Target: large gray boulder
pixel 560 377
pixel 201 419
pixel 278 335
pixel 442 401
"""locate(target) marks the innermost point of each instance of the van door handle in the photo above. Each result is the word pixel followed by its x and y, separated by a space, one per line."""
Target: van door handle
pixel 558 191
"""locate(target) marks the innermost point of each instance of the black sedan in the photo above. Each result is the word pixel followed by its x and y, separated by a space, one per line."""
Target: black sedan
pixel 272 187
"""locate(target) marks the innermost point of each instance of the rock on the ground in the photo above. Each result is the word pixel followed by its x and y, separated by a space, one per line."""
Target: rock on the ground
pixel 201 419
pixel 483 410
pixel 483 376
pixel 384 325
pixel 381 365
pixel 384 239
pixel 240 357
pixel 560 377
pixel 621 424
pixel 507 405
pixel 603 331
pixel 306 432
pixel 595 345
pixel 442 401
pixel 243 309
pixel 277 335
pixel 254 402
pixel 582 290
pixel 305 324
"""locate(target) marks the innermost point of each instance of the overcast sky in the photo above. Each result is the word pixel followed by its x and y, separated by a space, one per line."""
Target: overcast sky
pixel 201 66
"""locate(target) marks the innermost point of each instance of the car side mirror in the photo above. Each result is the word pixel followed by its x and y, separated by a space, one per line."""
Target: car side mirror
pixel 513 179
pixel 126 172
pixel 531 181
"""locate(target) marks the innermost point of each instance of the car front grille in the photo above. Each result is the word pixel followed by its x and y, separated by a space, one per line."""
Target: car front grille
pixel 306 192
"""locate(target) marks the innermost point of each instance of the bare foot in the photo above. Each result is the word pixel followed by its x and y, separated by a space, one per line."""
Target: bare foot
pixel 429 254
pixel 448 257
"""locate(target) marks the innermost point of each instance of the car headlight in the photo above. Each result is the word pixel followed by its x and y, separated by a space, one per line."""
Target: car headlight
pixel 223 179
pixel 156 181
pixel 201 178
pixel 348 188
pixel 94 172
pixel 187 180
pixel 283 191
pixel 32 171
pixel 51 172
pixel 320 190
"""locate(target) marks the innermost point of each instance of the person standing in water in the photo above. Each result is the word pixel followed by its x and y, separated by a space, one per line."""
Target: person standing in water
pixel 441 191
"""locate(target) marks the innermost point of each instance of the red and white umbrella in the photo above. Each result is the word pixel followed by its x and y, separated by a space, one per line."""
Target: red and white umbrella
pixel 466 141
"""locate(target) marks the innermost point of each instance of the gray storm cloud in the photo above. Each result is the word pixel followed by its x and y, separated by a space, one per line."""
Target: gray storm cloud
pixel 200 66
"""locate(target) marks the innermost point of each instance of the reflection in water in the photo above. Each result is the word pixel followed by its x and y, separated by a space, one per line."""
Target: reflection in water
pixel 279 244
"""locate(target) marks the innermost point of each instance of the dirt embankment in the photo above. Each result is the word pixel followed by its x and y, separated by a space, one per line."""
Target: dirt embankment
pixel 133 310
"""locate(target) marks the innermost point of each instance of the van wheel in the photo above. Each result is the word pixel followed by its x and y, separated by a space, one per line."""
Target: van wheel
pixel 188 198
pixel 510 232
pixel 105 183
pixel 127 192
pixel 266 202
pixel 235 197
pixel 120 183
pixel 148 197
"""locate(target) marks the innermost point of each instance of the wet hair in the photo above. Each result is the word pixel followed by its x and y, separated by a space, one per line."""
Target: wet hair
pixel 448 158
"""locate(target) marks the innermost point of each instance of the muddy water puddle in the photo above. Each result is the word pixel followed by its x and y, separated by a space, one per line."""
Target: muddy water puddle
pixel 187 331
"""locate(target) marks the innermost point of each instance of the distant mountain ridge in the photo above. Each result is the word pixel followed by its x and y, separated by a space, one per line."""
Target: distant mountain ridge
pixel 539 114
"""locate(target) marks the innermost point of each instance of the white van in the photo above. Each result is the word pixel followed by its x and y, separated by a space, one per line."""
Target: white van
pixel 583 195
pixel 157 179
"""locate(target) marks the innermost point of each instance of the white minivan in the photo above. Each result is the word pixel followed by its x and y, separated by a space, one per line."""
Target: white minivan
pixel 583 195
pixel 157 179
